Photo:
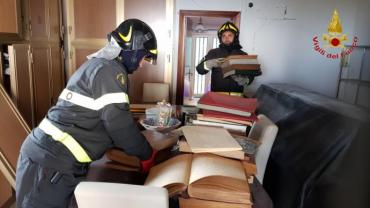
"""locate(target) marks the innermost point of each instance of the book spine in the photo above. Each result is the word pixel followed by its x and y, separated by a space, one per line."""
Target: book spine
pixel 225 110
pixel 237 128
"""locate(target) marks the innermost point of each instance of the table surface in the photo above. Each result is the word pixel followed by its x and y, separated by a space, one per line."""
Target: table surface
pixel 99 171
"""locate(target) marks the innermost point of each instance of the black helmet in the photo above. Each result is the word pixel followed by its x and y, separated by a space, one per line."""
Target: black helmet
pixel 136 38
pixel 228 26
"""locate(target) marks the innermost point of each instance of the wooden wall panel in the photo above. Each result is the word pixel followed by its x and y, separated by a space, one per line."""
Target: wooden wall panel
pixel 8 13
pixel 89 22
pixel 41 82
pixel 57 73
pixel 54 20
pixel 81 54
pixel 153 12
pixel 38 15
pixel 94 18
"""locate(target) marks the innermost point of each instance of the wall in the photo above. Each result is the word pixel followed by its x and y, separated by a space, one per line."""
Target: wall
pixel 285 48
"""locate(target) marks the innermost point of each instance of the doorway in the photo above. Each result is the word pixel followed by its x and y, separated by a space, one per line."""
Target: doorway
pixel 197 35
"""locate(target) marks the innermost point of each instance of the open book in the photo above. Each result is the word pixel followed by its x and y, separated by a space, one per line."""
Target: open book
pixel 204 176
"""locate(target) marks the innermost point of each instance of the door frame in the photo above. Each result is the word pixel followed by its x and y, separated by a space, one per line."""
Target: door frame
pixel 235 15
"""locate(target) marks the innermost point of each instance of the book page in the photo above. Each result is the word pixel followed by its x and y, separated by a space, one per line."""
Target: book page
pixel 209 139
pixel 205 165
pixel 173 171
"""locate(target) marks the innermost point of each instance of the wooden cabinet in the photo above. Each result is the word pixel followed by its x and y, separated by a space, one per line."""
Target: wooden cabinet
pixel 10 20
pixel 37 79
pixel 37 69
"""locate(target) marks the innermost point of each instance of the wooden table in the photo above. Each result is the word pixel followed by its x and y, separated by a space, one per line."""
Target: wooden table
pixel 99 171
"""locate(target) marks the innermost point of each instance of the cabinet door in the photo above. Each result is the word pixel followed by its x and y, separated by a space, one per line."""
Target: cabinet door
pixel 10 20
pixel 88 23
pixel 41 81
pixel 21 80
pixel 57 73
pixel 38 20
pixel 55 17
pixel 42 20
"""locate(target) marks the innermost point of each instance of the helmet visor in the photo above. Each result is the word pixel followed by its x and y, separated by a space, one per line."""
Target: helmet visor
pixel 152 57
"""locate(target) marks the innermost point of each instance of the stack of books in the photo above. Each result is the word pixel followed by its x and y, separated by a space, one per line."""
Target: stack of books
pixel 241 65
pixel 230 112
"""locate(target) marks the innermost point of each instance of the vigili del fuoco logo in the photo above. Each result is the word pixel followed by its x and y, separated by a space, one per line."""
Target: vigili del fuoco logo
pixel 334 40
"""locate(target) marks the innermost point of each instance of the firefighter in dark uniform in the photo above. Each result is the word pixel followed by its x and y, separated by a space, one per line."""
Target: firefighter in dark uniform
pixel 228 35
pixel 91 115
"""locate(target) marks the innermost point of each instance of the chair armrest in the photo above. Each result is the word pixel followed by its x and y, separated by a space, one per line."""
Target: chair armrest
pixel 112 195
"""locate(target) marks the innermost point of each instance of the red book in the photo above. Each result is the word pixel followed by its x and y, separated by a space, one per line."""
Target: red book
pixel 228 104
pixel 221 115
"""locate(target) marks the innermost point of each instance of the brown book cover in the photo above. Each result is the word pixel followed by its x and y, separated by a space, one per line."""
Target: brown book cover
pixel 240 57
pixel 241 67
pixel 198 203
pixel 220 119
pixel 242 72
pixel 156 139
pixel 118 156
pixel 204 176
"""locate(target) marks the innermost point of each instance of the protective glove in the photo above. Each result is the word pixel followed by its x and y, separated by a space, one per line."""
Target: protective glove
pixel 241 80
pixel 147 164
pixel 212 63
